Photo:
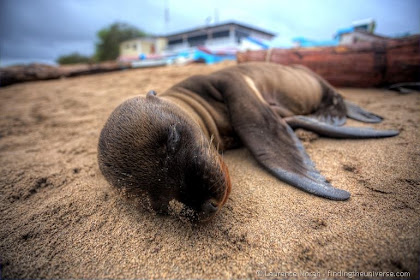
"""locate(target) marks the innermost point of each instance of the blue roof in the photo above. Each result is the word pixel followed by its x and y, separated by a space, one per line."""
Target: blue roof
pixel 305 42
pixel 344 30
pixel 258 42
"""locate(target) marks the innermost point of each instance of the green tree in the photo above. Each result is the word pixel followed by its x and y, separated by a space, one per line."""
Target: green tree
pixel 110 38
pixel 73 58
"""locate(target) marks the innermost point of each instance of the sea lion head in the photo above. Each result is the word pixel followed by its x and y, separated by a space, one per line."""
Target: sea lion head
pixel 149 144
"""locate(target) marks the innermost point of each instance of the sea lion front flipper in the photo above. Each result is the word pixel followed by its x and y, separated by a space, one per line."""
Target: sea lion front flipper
pixel 312 181
pixel 274 145
pixel 357 113
pixel 337 131
pixel 280 151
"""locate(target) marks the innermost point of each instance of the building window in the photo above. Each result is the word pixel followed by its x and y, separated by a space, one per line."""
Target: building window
pixel 174 42
pixel 240 34
pixel 220 34
pixel 197 40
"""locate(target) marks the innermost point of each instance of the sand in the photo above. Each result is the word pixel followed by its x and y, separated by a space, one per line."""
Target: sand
pixel 60 219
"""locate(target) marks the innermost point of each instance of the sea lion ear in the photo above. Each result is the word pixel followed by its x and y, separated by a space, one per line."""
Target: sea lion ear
pixel 151 93
pixel 174 138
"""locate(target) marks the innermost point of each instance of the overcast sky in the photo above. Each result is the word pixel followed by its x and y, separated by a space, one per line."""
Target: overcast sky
pixel 42 30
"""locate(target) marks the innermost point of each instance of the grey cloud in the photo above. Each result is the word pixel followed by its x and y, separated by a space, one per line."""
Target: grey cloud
pixel 45 29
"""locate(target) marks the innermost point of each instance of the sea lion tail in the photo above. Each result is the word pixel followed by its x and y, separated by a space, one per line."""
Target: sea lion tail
pixel 357 113
pixel 337 131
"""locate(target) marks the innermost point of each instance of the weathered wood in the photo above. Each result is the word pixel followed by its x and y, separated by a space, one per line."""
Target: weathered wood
pixel 358 65
pixel 33 72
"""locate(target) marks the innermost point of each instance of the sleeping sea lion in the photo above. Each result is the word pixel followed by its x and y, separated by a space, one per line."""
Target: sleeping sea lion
pixel 168 144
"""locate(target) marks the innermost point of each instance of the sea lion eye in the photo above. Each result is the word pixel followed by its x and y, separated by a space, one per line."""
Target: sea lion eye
pixel 174 138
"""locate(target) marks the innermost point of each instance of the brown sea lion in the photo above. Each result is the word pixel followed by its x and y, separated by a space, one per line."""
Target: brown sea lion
pixel 168 144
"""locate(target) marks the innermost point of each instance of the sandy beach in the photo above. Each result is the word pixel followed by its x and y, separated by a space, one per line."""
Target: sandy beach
pixel 61 219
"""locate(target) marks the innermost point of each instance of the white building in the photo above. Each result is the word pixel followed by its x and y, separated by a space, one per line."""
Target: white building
pixel 360 31
pixel 222 36
pixel 230 37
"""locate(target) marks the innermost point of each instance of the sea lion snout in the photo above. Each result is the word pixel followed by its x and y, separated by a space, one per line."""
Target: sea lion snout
pixel 207 183
pixel 213 205
pixel 209 209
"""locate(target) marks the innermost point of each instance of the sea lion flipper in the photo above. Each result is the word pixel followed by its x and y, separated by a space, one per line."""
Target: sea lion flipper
pixel 332 109
pixel 319 187
pixel 273 142
pixel 311 180
pixel 275 146
pixel 286 158
pixel 357 113
pixel 337 131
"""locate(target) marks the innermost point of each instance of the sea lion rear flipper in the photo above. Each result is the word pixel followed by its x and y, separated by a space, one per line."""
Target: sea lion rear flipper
pixel 337 131
pixel 332 109
pixel 357 113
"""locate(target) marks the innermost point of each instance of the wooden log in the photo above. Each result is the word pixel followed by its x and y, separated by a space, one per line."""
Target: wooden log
pixel 359 65
pixel 33 72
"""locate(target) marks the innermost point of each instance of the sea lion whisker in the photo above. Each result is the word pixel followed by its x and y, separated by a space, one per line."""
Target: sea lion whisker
pixel 211 139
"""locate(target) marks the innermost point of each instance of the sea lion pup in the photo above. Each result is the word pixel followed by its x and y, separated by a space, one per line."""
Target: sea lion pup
pixel 167 144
